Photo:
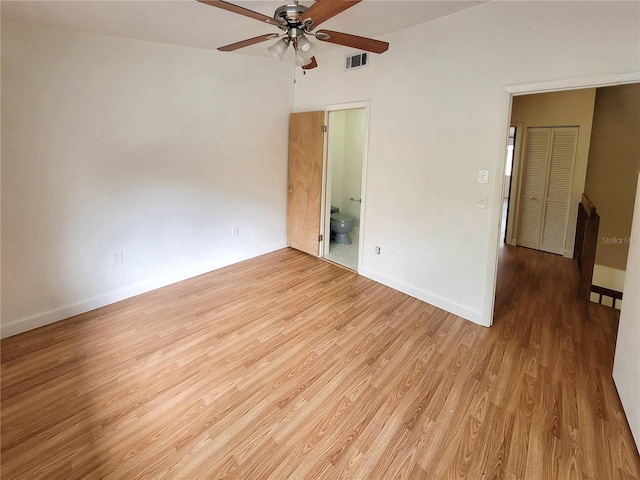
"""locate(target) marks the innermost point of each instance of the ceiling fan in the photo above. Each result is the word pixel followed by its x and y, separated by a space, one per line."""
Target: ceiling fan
pixel 297 22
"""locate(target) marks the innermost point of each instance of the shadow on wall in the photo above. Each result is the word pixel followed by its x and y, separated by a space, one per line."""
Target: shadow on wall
pixel 94 231
pixel 614 165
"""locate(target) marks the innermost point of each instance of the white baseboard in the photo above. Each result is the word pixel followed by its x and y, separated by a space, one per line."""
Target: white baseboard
pixel 474 316
pixel 54 315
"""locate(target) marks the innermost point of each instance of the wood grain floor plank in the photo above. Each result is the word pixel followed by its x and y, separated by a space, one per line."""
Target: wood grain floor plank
pixel 286 366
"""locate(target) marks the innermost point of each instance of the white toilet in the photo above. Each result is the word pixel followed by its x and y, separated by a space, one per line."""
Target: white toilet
pixel 341 225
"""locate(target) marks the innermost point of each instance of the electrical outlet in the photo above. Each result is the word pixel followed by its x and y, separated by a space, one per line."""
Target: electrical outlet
pixel 117 257
pixel 481 201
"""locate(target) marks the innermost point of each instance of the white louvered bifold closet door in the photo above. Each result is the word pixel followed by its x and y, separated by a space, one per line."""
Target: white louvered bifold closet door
pixel 556 215
pixel 549 160
pixel 534 181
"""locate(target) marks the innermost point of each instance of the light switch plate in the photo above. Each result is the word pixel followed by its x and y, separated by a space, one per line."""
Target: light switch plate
pixel 483 176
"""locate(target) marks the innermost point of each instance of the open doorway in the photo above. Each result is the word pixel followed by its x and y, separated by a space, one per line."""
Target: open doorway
pixel 347 128
pixel 549 168
pixel 605 170
pixel 609 177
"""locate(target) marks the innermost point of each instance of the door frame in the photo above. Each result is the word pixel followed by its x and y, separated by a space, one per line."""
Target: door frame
pixel 325 226
pixel 509 91
pixel 516 178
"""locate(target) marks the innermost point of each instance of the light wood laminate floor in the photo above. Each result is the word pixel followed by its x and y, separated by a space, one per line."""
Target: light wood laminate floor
pixel 286 366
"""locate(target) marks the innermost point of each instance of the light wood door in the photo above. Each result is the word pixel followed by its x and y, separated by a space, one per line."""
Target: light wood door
pixel 306 140
pixel 549 161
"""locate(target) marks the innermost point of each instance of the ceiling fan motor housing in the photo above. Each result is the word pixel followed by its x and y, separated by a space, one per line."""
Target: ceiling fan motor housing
pixel 290 13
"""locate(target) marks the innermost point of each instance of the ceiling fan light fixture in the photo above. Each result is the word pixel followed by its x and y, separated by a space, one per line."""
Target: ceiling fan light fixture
pixel 304 44
pixel 298 22
pixel 301 61
pixel 306 49
pixel 278 49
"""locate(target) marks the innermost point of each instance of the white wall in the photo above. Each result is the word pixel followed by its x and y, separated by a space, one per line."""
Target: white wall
pixel 626 365
pixel 353 157
pixel 439 112
pixel 122 145
pixel 346 150
pixel 337 131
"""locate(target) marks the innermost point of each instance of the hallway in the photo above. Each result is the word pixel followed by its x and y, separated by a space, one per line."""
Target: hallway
pixel 536 297
pixel 562 361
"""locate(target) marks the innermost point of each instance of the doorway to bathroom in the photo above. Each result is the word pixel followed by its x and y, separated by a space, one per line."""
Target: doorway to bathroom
pixel 347 128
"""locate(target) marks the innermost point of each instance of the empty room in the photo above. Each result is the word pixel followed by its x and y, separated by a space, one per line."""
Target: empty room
pixel 320 239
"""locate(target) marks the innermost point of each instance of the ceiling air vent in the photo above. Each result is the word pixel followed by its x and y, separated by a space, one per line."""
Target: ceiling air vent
pixel 357 61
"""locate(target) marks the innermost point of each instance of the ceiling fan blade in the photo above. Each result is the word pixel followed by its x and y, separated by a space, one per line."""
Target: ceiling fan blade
pixel 247 42
pixel 323 10
pixel 230 7
pixel 313 64
pixel 362 43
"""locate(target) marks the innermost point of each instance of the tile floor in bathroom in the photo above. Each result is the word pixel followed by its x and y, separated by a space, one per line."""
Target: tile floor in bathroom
pixel 345 255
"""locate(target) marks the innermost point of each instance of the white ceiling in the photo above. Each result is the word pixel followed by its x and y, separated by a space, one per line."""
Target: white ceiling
pixel 193 24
